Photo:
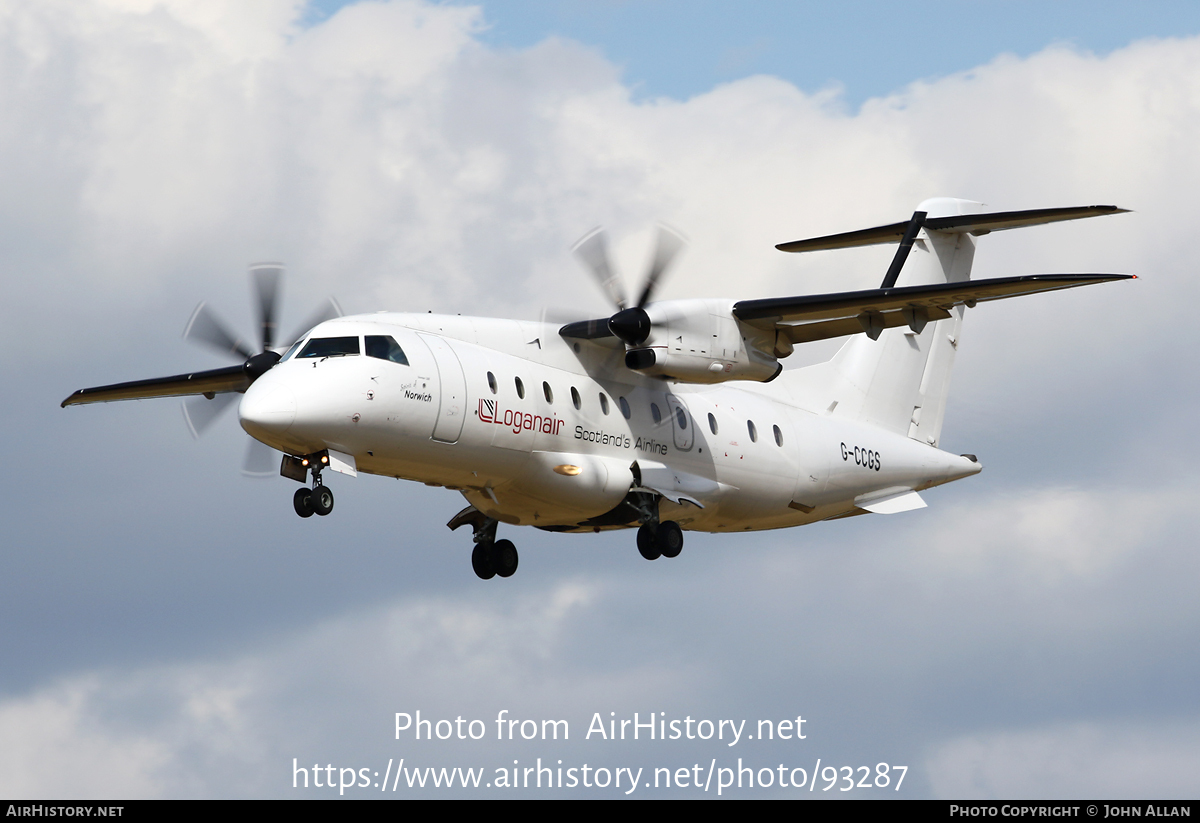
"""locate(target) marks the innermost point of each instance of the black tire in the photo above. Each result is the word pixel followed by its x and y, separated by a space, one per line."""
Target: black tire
pixel 320 500
pixel 300 501
pixel 481 561
pixel 647 544
pixel 669 538
pixel 504 558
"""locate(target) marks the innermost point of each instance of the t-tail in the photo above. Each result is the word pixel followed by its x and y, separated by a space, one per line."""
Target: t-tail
pixel 896 374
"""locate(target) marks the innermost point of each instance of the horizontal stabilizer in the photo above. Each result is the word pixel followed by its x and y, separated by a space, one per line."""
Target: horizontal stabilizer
pixel 973 223
pixel 214 381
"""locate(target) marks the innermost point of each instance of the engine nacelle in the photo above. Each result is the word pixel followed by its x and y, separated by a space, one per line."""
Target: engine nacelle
pixel 689 368
pixel 700 341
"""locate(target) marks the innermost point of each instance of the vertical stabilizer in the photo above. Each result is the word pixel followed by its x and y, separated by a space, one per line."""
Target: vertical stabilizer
pixel 901 380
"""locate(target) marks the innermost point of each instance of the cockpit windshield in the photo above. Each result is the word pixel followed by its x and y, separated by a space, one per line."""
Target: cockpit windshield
pixel 385 348
pixel 330 347
pixel 292 350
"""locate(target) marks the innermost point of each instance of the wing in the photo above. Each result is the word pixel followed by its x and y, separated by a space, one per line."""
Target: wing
pixel 214 381
pixel 816 317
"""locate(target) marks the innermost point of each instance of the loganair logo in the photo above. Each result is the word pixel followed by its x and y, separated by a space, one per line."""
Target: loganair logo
pixel 491 412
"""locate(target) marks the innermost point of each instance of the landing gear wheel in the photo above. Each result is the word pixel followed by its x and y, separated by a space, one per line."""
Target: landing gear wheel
pixel 320 500
pixel 481 561
pixel 647 543
pixel 300 501
pixel 504 558
pixel 669 538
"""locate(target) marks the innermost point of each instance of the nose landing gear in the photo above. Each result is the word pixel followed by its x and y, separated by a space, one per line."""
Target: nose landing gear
pixel 307 502
pixel 300 501
pixel 318 500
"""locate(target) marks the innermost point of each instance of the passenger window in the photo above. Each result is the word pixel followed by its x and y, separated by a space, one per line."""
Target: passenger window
pixel 778 436
pixel 385 348
pixel 625 407
pixel 520 387
pixel 547 392
pixel 681 418
pixel 603 403
pixel 330 347
pixel 753 431
pixel 712 423
pixel 655 413
pixel 492 382
pixel 575 399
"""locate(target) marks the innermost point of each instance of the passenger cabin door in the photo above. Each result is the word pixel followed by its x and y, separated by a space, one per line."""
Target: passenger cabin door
pixel 681 424
pixel 452 394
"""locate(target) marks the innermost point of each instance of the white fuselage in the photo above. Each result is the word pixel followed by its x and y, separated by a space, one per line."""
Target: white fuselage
pixel 535 429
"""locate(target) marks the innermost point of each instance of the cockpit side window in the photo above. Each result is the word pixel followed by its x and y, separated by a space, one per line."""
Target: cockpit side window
pixel 385 348
pixel 292 350
pixel 330 347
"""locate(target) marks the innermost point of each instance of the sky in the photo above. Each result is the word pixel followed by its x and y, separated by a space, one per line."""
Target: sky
pixel 169 628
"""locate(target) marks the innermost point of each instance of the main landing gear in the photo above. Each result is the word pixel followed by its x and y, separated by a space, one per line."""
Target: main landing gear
pixel 665 540
pixel 656 538
pixel 490 557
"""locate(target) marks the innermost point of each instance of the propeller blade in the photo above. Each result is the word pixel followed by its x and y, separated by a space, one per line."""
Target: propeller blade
pixel 266 287
pixel 906 243
pixel 204 327
pixel 326 311
pixel 261 460
pixel 587 329
pixel 668 246
pixel 557 316
pixel 200 412
pixel 592 252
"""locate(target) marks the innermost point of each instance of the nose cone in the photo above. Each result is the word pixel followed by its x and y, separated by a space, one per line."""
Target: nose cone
pixel 268 409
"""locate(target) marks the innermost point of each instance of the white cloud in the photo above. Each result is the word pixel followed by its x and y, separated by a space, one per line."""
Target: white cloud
pixel 1111 759
pixel 230 727
pixel 1054 535
pixel 54 748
